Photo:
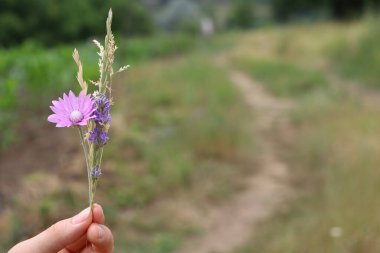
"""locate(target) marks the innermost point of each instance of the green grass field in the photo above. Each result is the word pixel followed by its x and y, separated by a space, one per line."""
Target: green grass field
pixel 333 157
pixel 181 139
pixel 187 139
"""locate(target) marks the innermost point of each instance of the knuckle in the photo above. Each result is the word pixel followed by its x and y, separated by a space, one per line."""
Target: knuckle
pixel 54 229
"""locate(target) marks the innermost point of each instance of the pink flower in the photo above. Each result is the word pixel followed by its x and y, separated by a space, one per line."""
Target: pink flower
pixel 72 110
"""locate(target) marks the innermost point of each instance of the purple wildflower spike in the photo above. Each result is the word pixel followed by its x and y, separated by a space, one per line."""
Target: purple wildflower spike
pixel 98 137
pixel 102 113
pixel 96 172
pixel 72 110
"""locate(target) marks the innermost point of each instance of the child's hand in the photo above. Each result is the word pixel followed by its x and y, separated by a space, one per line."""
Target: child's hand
pixel 81 233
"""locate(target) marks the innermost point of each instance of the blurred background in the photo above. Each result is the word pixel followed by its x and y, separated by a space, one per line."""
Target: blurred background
pixel 219 95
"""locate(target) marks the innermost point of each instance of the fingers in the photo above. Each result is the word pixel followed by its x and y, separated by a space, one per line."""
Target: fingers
pixel 70 235
pixel 97 214
pixel 77 245
pixel 97 217
pixel 59 235
pixel 101 238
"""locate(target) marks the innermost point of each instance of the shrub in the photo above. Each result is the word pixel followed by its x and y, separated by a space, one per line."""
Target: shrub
pixel 52 22
pixel 241 14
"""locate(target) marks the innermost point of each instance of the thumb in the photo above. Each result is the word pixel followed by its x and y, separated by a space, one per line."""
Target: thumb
pixel 58 236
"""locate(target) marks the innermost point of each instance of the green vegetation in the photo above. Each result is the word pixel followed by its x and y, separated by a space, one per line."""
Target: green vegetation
pixel 241 14
pixel 187 128
pixel 359 59
pixel 186 143
pixel 334 155
pixel 184 108
pixel 30 74
pixel 282 78
pixel 55 22
pixel 286 10
pixel 334 160
pixel 179 139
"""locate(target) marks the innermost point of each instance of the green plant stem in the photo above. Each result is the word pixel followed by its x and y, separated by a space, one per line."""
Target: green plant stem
pixel 87 165
pixel 93 190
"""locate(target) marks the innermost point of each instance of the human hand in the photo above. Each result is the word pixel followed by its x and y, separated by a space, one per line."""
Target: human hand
pixel 82 233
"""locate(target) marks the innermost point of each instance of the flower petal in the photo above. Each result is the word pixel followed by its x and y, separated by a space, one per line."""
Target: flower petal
pixel 54 118
pixel 89 111
pixel 73 100
pixel 58 110
pixel 65 105
pixel 60 125
pixel 60 106
pixel 67 102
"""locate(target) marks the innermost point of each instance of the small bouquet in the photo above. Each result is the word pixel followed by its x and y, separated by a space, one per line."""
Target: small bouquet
pixel 90 113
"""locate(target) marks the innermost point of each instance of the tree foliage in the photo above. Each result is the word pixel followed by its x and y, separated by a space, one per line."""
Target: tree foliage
pixel 56 21
pixel 241 14
pixel 285 10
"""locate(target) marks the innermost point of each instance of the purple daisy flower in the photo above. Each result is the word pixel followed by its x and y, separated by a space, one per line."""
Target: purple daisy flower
pixel 72 110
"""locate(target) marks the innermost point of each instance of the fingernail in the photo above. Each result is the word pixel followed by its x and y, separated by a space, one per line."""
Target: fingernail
pixel 101 232
pixel 80 217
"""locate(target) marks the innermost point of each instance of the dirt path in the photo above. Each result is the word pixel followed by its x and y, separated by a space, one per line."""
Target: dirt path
pixel 267 190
